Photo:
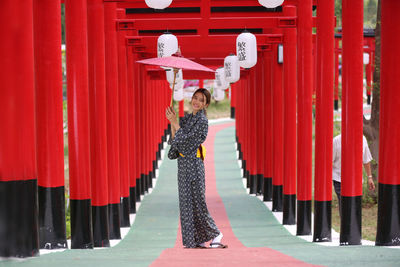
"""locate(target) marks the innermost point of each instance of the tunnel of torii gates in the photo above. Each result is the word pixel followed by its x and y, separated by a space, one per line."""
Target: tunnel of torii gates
pixel 117 124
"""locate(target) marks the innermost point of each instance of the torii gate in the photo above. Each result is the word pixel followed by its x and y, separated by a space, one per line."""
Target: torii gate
pixel 113 156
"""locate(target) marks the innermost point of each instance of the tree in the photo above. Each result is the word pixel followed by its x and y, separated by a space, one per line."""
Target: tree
pixel 371 126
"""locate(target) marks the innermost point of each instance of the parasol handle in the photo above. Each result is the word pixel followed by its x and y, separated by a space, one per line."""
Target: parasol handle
pixel 173 86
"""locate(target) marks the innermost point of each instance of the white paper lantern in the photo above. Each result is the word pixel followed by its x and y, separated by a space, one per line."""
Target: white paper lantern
pixel 170 76
pixel 220 80
pixel 270 3
pixel 366 58
pixel 167 44
pixel 178 91
pixel 232 69
pixel 246 49
pixel 218 94
pixel 158 4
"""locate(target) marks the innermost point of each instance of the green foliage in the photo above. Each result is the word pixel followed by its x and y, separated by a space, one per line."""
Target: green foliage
pixel 370 11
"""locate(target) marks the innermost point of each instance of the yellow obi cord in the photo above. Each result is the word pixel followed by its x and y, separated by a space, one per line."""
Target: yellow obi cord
pixel 203 149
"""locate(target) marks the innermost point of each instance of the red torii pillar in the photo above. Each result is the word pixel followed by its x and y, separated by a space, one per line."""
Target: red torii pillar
pixel 352 122
pixel 78 124
pixel 98 127
pixel 259 123
pixel 19 232
pixel 289 122
pixel 233 99
pixel 127 189
pixel 267 144
pixel 324 121
pixel 49 121
pixel 277 131
pixel 305 117
pixel 113 130
pixel 252 128
pixel 336 88
pixel 388 229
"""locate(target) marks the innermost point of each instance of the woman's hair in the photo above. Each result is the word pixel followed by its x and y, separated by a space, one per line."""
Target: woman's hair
pixel 206 94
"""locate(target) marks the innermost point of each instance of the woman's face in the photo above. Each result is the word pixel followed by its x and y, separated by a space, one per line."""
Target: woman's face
pixel 198 102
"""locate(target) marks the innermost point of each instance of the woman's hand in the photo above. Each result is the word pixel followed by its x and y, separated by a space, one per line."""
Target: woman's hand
pixel 171 115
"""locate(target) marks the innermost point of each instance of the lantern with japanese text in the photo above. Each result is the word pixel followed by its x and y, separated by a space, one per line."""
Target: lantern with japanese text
pixel 246 49
pixel 158 4
pixel 220 80
pixel 232 69
pixel 270 3
pixel 218 94
pixel 167 44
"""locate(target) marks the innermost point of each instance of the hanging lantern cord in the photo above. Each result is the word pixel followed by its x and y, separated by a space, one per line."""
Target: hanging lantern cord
pixel 173 85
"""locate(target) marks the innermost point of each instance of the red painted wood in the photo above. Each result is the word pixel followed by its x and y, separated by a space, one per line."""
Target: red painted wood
pixel 289 103
pixel 48 93
pixel 304 101
pixel 324 102
pixel 352 104
pixel 78 95
pixel 389 143
pixel 17 102
pixel 97 103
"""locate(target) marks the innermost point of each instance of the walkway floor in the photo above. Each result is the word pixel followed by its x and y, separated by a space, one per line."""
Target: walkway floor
pixel 253 234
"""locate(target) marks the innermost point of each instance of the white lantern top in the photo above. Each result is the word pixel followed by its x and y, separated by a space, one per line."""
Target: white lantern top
pixel 158 4
pixel 270 3
pixel 232 69
pixel 167 44
pixel 246 49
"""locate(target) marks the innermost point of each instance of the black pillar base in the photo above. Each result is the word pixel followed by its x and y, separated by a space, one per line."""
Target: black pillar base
pixel 52 227
pixel 248 180
pixel 150 177
pixel 138 190
pixel 289 209
pixel 81 224
pixel 114 224
pixel 350 221
pixel 253 183
pixel 101 234
pixel 124 212
pixel 336 104
pixel 388 229
pixel 303 217
pixel 267 184
pixel 369 99
pixel 132 199
pixel 142 184
pixel 19 226
pixel 322 221
pixel 159 152
pixel 232 112
pixel 277 198
pixel 260 184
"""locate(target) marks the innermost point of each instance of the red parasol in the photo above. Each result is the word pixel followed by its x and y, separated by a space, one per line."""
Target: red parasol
pixel 175 62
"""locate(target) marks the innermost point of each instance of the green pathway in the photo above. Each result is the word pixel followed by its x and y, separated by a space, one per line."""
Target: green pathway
pixel 155 227
pixel 255 225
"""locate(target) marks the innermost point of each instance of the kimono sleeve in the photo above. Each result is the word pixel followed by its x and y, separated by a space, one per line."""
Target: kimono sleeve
pixel 195 136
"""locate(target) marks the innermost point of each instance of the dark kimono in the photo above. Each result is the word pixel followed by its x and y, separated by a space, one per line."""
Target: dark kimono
pixel 196 223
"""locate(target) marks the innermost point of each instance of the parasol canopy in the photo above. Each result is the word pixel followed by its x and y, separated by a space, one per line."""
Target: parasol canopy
pixel 175 62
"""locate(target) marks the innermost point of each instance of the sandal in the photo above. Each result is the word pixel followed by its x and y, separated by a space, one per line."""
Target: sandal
pixel 218 245
pixel 201 247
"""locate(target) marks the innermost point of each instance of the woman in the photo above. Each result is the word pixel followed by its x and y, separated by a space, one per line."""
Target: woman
pixel 186 137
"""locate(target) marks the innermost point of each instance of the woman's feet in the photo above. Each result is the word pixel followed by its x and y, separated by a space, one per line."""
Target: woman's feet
pixel 216 242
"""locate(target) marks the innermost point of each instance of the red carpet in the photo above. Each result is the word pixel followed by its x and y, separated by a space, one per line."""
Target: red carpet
pixel 237 254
